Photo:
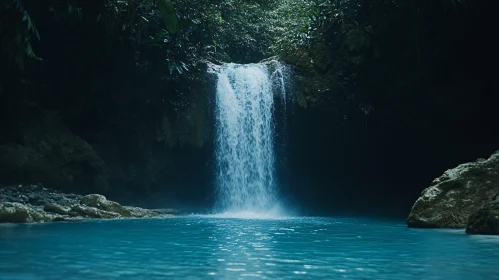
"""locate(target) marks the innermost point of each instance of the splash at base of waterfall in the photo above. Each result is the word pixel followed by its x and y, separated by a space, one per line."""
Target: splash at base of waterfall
pixel 276 213
pixel 246 181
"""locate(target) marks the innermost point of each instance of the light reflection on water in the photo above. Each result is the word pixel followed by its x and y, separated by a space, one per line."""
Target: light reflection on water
pixel 201 247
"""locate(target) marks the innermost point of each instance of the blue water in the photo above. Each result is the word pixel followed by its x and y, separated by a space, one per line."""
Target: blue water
pixel 216 248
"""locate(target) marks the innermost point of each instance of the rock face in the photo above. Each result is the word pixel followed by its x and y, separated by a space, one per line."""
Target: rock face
pixel 33 203
pixel 47 151
pixel 485 220
pixel 460 192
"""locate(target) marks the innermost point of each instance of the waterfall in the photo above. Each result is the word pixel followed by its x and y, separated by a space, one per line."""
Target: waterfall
pixel 245 155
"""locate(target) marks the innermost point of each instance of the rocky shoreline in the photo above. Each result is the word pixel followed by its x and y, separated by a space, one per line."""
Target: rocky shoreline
pixel 466 196
pixel 37 204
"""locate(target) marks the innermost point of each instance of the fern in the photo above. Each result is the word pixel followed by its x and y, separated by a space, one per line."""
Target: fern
pixel 17 30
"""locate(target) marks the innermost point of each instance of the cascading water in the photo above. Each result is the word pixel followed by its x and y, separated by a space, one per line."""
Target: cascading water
pixel 245 153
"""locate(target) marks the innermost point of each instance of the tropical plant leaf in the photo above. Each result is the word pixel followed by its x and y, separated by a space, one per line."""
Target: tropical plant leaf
pixel 171 66
pixel 179 69
pixel 185 66
pixel 169 16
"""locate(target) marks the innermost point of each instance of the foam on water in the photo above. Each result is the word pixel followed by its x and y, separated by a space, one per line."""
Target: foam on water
pixel 275 213
pixel 246 215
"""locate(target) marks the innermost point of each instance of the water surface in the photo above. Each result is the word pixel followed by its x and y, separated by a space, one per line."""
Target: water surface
pixel 219 248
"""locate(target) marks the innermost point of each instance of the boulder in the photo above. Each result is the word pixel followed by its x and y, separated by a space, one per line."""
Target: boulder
pixel 14 213
pixel 56 208
pixel 485 220
pixel 22 213
pixel 40 216
pixel 34 203
pixel 100 202
pixel 94 200
pixel 138 212
pixel 92 212
pixel 451 198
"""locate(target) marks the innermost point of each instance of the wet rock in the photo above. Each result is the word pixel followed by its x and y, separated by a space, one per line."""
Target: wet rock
pixel 92 212
pixel 32 203
pixel 149 213
pixel 100 202
pixel 485 220
pixel 21 213
pixel 56 208
pixel 34 200
pixel 94 200
pixel 14 213
pixel 40 216
pixel 460 192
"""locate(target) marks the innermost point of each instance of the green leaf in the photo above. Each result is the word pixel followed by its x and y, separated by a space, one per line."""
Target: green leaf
pixel 169 16
pixel 171 66
pixel 185 66
pixel 179 69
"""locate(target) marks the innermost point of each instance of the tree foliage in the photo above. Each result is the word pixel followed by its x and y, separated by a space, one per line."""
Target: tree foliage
pixel 172 36
pixel 17 31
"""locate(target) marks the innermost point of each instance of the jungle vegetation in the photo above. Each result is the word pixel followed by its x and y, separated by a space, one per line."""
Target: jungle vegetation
pixel 173 35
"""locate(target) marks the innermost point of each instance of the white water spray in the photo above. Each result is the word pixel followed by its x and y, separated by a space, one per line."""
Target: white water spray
pixel 245 156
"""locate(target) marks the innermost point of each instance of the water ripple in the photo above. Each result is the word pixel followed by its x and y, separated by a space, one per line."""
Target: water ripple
pixel 220 248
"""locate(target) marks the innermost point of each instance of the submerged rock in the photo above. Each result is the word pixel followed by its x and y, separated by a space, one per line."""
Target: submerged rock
pixel 33 203
pixel 485 220
pixel 451 198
